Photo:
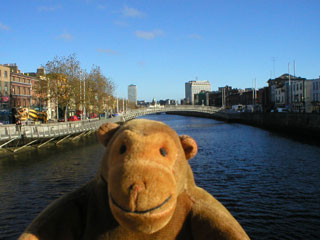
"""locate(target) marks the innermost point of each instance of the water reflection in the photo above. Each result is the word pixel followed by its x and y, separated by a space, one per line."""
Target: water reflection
pixel 270 183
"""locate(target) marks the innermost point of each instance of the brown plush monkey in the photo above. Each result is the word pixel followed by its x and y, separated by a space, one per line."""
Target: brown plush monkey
pixel 144 189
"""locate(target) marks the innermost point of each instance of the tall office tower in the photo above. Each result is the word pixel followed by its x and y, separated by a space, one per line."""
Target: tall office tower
pixel 194 87
pixel 132 93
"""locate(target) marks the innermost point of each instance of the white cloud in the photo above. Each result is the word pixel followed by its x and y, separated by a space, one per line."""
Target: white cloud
pixel 3 27
pixel 149 35
pixel 48 8
pixel 131 12
pixel 65 36
pixel 195 36
pixel 108 51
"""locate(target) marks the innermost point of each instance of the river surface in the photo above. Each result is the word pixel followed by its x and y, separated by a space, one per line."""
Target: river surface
pixel 270 183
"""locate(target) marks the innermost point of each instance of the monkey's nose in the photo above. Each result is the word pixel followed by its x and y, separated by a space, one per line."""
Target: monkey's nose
pixel 134 191
pixel 137 187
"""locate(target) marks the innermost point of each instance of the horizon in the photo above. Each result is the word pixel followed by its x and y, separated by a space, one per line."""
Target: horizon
pixel 159 46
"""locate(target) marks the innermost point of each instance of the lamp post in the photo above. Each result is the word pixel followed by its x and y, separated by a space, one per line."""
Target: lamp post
pixel 117 103
pixel 84 98
pixel 80 102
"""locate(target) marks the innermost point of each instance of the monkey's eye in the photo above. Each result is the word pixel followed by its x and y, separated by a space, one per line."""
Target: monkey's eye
pixel 163 152
pixel 123 149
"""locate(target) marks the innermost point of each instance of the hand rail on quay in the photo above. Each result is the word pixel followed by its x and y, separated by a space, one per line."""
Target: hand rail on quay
pixel 11 132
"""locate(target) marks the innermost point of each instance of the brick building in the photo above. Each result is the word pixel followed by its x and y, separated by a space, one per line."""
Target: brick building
pixel 4 87
pixel 21 86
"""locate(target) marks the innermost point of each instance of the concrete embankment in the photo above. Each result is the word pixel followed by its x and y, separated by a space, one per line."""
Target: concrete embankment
pixel 293 123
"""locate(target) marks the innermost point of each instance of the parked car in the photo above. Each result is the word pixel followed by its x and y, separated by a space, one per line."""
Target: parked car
pixel 93 115
pixel 73 118
pixel 283 110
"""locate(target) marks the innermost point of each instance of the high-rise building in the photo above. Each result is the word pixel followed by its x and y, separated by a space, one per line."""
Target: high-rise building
pixel 194 87
pixel 132 93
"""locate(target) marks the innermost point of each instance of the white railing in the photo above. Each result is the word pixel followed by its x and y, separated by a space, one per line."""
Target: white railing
pixel 52 130
pixel 180 108
pixel 49 130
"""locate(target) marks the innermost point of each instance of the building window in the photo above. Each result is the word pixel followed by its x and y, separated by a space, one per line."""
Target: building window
pixel 300 86
pixel 316 97
pixel 317 85
pixel 0 74
pixel 5 74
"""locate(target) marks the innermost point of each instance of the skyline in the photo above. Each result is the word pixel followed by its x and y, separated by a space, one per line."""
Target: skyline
pixel 161 45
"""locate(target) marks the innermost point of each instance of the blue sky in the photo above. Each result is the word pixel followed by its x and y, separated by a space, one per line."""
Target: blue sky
pixel 161 44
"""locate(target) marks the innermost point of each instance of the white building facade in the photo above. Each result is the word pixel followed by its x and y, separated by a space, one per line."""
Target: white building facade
pixel 132 93
pixel 300 95
pixel 280 96
pixel 194 87
pixel 294 93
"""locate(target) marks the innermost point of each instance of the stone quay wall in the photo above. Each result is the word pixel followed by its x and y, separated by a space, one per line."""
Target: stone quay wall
pixel 293 123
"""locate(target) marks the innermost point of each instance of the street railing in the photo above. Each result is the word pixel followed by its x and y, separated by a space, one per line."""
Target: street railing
pixel 10 132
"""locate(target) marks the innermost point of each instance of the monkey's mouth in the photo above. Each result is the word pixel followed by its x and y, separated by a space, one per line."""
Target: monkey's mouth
pixel 143 211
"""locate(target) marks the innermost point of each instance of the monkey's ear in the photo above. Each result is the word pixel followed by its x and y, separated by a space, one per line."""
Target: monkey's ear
pixel 189 145
pixel 106 131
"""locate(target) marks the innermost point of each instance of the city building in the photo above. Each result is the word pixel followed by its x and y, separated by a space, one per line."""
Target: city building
pixel 201 98
pixel 300 92
pixel 132 94
pixel 168 102
pixel 225 92
pixel 263 99
pixel 316 95
pixel 194 87
pixel 21 86
pixel 4 87
pixel 291 92
pixel 215 98
pixel 38 100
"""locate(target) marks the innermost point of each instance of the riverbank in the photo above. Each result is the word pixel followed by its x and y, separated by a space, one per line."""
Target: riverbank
pixel 300 124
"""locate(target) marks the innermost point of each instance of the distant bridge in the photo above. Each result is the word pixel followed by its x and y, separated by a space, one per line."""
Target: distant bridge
pixel 14 138
pixel 161 109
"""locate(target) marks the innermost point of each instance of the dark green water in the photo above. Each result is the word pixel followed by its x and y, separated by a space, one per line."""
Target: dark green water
pixel 270 183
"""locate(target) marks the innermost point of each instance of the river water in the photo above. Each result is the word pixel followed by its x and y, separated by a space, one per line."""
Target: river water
pixel 270 183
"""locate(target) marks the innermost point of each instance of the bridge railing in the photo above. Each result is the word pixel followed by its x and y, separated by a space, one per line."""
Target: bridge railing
pixel 179 108
pixel 10 132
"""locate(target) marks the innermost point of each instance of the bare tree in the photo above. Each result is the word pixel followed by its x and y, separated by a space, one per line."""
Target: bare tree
pixel 98 88
pixel 65 89
pixel 69 86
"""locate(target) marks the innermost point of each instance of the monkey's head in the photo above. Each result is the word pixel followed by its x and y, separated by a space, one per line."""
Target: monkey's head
pixel 145 167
